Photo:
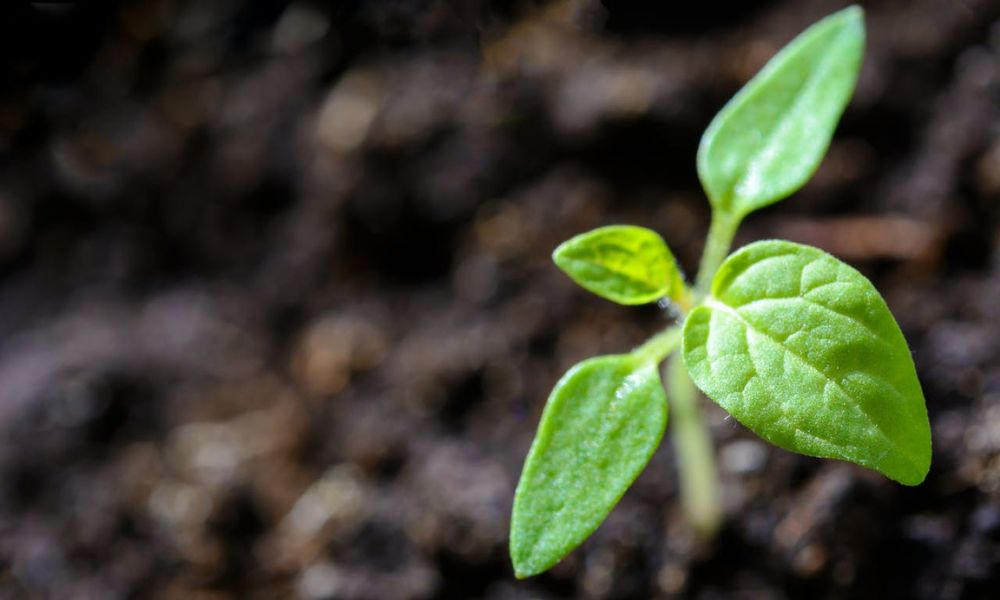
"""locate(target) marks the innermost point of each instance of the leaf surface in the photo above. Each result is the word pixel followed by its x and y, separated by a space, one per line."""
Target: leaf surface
pixel 770 138
pixel 599 428
pixel 622 263
pixel 802 349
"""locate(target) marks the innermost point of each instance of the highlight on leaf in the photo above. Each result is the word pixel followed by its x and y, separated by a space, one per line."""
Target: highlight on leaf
pixel 622 263
pixel 801 348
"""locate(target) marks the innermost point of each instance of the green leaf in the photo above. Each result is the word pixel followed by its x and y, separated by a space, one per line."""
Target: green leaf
pixel 600 426
pixel 770 138
pixel 801 348
pixel 622 263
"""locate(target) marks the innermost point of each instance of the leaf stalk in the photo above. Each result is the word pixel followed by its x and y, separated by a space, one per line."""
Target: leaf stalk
pixel 717 244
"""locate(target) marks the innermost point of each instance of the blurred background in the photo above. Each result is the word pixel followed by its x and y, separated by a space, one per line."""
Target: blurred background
pixel 278 319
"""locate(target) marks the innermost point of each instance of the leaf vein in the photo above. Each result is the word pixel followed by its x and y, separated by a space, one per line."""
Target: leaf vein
pixel 874 334
pixel 714 303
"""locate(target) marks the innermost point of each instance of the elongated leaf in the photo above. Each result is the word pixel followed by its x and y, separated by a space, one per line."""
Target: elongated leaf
pixel 601 425
pixel 770 138
pixel 622 263
pixel 801 348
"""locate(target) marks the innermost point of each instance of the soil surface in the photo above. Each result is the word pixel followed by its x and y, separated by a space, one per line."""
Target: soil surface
pixel 278 319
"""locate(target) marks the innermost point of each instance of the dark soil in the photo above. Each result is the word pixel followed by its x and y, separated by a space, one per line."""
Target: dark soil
pixel 277 314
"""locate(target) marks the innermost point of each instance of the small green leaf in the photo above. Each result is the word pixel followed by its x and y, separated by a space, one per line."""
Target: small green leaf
pixel 600 426
pixel 801 349
pixel 770 138
pixel 622 263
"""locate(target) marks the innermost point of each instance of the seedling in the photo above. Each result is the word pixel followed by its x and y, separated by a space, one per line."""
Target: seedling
pixel 796 345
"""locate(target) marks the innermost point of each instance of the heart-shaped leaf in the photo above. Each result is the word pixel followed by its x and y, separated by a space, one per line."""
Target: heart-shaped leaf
pixel 801 349
pixel 622 263
pixel 770 138
pixel 599 428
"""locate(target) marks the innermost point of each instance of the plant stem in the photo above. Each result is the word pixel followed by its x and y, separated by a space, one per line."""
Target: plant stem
pixel 720 238
pixel 692 441
pixel 699 477
pixel 658 347
pixel 695 457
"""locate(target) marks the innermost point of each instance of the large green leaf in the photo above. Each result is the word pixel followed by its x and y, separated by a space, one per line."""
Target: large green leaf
pixel 623 263
pixel 601 425
pixel 770 138
pixel 801 348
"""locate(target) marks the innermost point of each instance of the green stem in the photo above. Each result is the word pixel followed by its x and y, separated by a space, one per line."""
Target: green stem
pixel 695 457
pixel 720 238
pixel 658 347
pixel 692 441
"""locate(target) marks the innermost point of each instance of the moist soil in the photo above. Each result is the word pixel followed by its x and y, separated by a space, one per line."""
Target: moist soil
pixel 278 318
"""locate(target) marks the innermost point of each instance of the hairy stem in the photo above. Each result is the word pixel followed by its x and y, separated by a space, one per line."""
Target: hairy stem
pixel 695 457
pixel 720 238
pixel 699 477
pixel 658 347
pixel 692 441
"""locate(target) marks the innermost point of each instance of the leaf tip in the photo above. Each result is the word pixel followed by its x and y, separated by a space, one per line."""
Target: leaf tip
pixel 559 255
pixel 916 475
pixel 916 463
pixel 912 481
pixel 563 259
pixel 853 13
pixel 522 573
pixel 851 19
pixel 911 478
pixel 524 563
pixel 521 570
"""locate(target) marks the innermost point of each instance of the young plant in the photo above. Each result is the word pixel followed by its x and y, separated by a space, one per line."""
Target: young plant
pixel 796 345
